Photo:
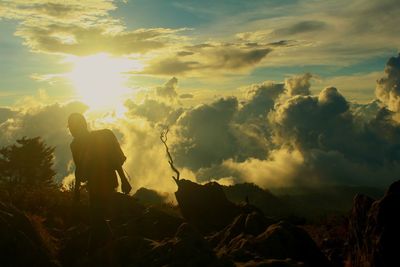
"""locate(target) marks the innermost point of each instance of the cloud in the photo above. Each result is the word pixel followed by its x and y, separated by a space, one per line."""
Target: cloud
pixel 279 135
pixel 280 169
pixel 168 90
pixel 186 96
pixel 282 135
pixel 261 100
pixel 5 114
pixel 358 87
pixel 82 40
pixel 301 27
pixel 364 113
pixel 307 121
pixel 298 85
pixel 209 58
pixel 317 28
pixel 388 87
pixel 146 163
pixel 154 111
pixel 209 134
pixel 81 28
pixel 197 143
pixel 55 11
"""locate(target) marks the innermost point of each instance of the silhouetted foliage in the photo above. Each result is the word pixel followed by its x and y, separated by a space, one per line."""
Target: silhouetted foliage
pixel 28 162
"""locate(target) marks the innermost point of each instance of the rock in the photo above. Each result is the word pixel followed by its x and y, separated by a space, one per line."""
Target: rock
pixel 125 207
pixel 150 197
pixel 250 224
pixel 187 248
pixel 284 240
pixel 255 223
pixel 153 223
pixel 205 206
pixel 374 238
pixel 276 241
pixel 357 225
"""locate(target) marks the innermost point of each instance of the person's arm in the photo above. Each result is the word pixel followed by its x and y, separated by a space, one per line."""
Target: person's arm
pixel 118 159
pixel 125 186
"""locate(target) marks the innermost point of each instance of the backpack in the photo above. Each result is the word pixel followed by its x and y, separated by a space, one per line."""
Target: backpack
pixel 99 155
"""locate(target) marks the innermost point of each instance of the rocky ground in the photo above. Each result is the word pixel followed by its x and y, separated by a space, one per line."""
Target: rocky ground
pixel 205 229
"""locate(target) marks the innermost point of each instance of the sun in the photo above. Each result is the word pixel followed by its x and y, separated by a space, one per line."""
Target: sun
pixel 99 80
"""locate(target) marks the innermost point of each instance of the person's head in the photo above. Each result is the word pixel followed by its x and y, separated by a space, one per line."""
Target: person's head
pixel 77 124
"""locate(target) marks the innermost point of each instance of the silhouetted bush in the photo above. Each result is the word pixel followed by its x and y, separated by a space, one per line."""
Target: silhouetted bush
pixel 29 162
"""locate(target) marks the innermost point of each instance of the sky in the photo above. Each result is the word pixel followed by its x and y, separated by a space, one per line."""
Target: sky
pixel 227 76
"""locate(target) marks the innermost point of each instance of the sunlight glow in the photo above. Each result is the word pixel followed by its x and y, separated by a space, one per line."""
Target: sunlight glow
pixel 99 80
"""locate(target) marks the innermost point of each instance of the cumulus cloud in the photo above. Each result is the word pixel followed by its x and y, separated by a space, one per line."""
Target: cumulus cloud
pixel 210 134
pixel 159 106
pixel 298 85
pixel 146 157
pixel 168 90
pixel 280 169
pixel 197 144
pixel 279 135
pixel 364 113
pixel 154 111
pixel 261 99
pixel 310 121
pixel 5 114
pixel 388 87
pixel 301 139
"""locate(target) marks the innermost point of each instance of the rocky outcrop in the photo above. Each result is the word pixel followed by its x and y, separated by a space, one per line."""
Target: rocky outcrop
pixel 213 232
pixel 252 236
pixel 357 225
pixel 186 248
pixel 374 230
pixel 205 206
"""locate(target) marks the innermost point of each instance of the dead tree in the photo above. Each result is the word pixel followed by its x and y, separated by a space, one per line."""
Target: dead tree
pixel 164 138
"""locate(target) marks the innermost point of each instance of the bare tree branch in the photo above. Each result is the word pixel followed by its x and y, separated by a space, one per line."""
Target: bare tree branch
pixel 164 138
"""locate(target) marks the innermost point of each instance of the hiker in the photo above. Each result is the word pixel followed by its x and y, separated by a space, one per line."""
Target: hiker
pixel 97 156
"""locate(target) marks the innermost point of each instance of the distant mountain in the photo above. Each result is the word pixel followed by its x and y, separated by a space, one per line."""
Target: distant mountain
pixel 316 202
pixel 261 198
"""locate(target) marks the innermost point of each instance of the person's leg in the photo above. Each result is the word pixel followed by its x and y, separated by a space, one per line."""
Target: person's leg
pixel 100 232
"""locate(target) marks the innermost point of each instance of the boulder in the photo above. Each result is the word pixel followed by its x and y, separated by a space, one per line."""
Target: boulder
pixel 186 248
pixel 205 206
pixel 251 237
pixel 357 225
pixel 375 231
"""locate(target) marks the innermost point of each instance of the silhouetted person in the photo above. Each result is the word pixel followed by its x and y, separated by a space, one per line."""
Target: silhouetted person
pixel 97 156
